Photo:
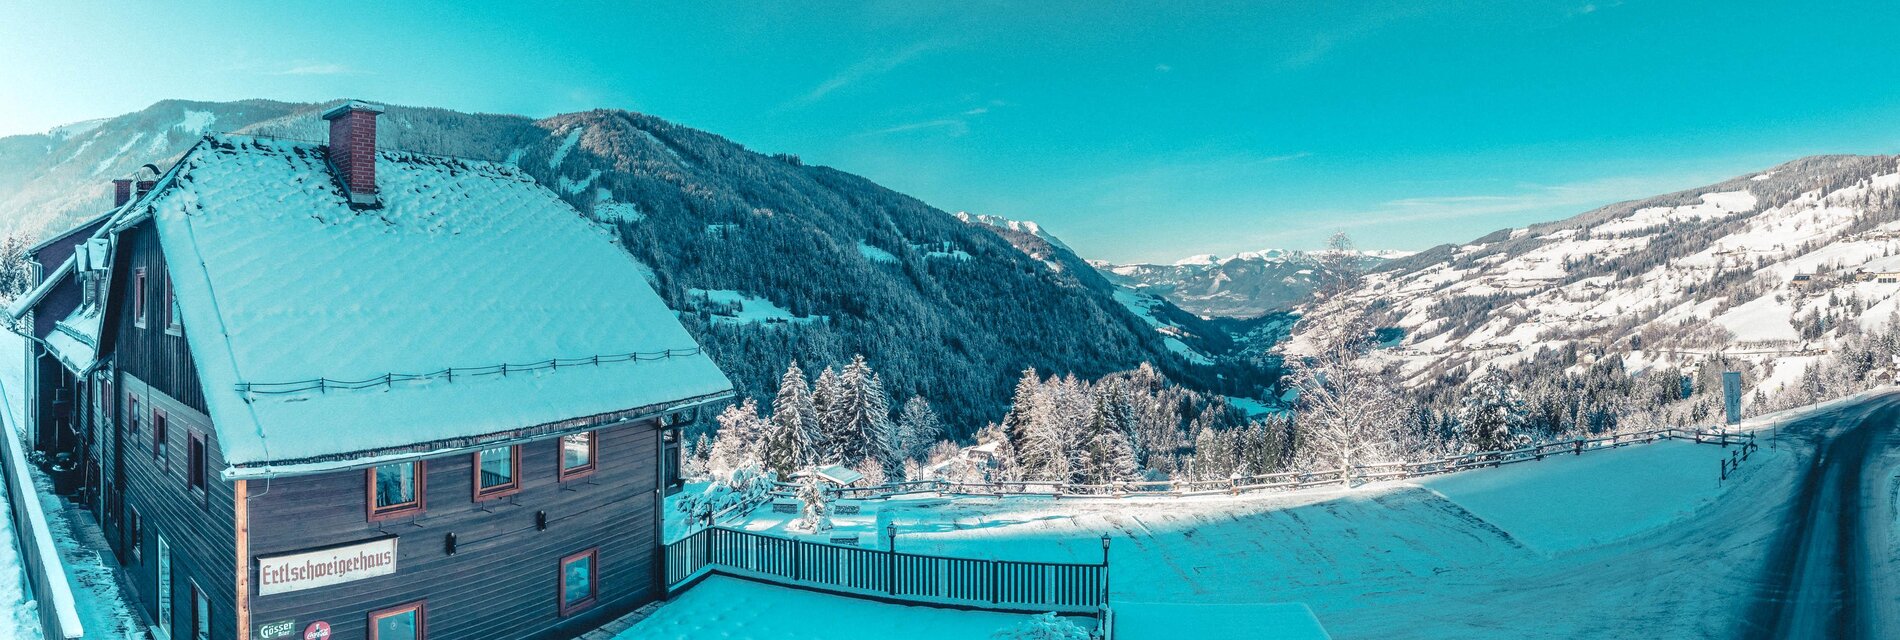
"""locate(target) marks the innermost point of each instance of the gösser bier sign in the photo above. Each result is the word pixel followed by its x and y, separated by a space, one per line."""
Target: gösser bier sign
pixel 324 567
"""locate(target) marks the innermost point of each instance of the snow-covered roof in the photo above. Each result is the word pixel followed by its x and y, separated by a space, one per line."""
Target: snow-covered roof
pixel 75 339
pixel 838 474
pixel 285 290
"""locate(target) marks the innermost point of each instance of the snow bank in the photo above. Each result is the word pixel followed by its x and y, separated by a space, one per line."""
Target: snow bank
pixel 1154 620
pixel 1564 503
pixel 724 607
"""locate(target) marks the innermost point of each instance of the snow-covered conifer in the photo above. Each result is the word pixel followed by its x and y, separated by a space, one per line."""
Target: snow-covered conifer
pixel 796 431
pixel 1492 416
pixel 917 428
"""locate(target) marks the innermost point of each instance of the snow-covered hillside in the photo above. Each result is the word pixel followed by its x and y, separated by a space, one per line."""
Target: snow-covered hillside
pixel 1770 270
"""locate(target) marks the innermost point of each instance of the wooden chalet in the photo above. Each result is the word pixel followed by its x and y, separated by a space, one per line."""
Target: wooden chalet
pixel 336 391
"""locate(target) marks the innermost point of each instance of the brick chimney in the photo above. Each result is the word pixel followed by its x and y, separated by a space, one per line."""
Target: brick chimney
pixel 145 187
pixel 121 192
pixel 353 149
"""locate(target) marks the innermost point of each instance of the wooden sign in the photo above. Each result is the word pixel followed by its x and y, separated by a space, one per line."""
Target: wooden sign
pixel 324 567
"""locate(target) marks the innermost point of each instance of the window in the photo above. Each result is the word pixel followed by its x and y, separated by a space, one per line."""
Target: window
pixel 200 614
pixel 395 489
pixel 135 529
pixel 577 454
pixel 496 472
pixel 132 412
pixel 195 473
pixel 577 581
pixel 108 395
pixel 164 588
pixel 138 297
pixel 159 434
pixel 171 309
pixel 398 623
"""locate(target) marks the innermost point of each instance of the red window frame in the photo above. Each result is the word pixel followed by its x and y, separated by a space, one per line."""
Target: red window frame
pixel 593 582
pixel 138 297
pixel 593 457
pixel 161 449
pixel 395 510
pixel 501 490
pixel 197 458
pixel 422 618
pixel 132 411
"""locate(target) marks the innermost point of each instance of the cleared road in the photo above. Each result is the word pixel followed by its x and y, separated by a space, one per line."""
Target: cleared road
pixel 1831 572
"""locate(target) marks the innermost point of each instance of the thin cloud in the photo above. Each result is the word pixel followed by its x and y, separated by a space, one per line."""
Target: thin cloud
pixel 863 70
pixel 1164 67
pixel 314 69
pixel 956 127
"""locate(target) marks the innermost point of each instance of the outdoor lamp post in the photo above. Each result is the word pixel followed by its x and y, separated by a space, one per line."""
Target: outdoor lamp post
pixel 890 531
pixel 1104 602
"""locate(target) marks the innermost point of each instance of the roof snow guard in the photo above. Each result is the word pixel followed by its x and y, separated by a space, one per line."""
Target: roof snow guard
pixel 278 277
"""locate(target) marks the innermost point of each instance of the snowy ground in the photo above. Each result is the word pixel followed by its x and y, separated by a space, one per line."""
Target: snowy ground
pixel 92 574
pixel 1644 540
pixel 722 607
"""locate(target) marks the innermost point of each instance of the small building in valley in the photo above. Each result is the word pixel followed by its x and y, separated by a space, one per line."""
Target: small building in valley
pixel 331 390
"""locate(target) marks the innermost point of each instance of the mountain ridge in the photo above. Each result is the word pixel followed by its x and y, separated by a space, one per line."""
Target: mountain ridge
pixel 763 256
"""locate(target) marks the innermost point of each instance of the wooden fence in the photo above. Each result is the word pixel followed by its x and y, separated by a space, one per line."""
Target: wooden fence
pixel 1286 479
pixel 997 585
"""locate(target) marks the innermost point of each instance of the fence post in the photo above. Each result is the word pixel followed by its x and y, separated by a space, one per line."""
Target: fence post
pixel 1579 443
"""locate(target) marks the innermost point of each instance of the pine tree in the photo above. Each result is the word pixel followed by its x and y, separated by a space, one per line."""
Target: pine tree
pixel 1022 408
pixel 861 421
pixel 1492 416
pixel 830 444
pixel 796 432
pixel 1106 455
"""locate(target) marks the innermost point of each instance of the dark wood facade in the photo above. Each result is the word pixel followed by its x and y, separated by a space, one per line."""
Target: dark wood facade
pixel 500 582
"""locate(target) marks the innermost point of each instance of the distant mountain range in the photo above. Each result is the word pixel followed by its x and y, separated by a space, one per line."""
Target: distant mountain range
pixel 1246 285
pixel 765 257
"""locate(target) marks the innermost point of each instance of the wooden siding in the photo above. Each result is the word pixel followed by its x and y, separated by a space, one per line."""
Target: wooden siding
pixel 197 525
pixel 501 582
pixel 151 352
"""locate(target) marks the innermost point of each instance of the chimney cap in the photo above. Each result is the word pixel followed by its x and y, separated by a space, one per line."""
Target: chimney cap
pixel 350 106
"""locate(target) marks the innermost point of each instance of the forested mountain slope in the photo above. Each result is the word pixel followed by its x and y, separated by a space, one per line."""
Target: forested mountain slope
pixel 767 258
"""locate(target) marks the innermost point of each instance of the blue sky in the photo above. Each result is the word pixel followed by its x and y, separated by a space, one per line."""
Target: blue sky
pixel 1136 131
